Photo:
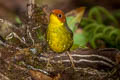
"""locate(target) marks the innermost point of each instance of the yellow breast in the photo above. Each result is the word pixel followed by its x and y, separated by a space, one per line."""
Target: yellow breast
pixel 59 37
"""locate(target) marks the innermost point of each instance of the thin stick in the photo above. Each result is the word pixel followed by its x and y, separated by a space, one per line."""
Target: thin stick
pixel 71 59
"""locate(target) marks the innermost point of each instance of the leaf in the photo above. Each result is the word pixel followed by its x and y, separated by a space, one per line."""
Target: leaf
pixel 18 20
pixel 80 40
pixel 75 17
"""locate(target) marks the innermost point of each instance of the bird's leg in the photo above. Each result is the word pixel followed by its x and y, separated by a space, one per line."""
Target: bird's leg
pixel 71 59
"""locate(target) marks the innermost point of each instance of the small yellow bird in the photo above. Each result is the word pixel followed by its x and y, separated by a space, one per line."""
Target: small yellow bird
pixel 59 36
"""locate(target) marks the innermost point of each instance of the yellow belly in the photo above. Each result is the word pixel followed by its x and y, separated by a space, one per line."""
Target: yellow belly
pixel 59 39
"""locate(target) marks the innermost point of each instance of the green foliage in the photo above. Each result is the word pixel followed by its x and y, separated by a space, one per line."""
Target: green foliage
pixel 116 14
pixel 71 23
pixel 18 21
pixel 96 28
pixel 79 39
pixel 101 14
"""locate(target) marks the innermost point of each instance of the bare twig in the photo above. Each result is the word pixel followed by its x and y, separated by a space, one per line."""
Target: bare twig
pixel 30 8
pixel 3 77
pixel 30 35
pixel 13 34
pixel 71 60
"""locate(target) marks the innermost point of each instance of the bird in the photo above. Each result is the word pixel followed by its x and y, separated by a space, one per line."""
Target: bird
pixel 59 35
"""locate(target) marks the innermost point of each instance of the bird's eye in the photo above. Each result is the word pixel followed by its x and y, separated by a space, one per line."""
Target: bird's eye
pixel 59 15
